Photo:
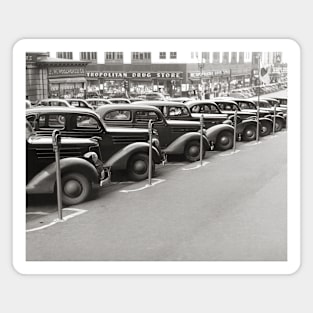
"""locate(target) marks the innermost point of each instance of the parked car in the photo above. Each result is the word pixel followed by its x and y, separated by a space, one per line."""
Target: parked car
pixel 283 101
pixel 52 102
pixel 79 103
pixel 81 169
pixel 154 96
pixel 119 100
pixel 96 102
pixel 272 102
pixel 220 136
pixel 176 137
pixel 121 148
pixel 249 105
pixel 229 107
pixel 28 104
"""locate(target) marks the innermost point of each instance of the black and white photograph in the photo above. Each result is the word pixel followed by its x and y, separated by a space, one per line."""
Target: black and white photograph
pixel 156 156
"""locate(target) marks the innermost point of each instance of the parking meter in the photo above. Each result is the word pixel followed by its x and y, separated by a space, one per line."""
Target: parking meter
pixel 235 130
pixel 257 122
pixel 56 142
pixel 150 129
pixel 201 138
pixel 274 119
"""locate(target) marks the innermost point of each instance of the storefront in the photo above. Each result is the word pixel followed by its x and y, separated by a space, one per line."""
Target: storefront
pixel 135 79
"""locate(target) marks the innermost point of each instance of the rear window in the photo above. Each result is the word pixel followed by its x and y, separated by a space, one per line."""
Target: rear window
pixel 145 116
pixel 118 115
pixel 51 121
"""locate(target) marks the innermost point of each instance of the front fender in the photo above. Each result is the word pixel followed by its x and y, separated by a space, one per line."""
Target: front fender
pixel 242 125
pixel 119 160
pixel 214 131
pixel 45 180
pixel 178 145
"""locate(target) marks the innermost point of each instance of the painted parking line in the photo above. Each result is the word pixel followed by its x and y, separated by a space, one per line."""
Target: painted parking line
pixel 195 167
pixel 77 212
pixel 156 181
pixel 230 153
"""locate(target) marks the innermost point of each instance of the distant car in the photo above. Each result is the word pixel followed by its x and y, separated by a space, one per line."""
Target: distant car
pixel 121 149
pixel 180 99
pixel 52 102
pixel 119 100
pixel 176 137
pixel 283 101
pixel 96 102
pixel 154 96
pixel 79 103
pixel 81 169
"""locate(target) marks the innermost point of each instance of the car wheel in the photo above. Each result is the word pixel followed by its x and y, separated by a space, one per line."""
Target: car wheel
pixel 224 141
pixel 278 125
pixel 192 151
pixel 138 167
pixel 249 133
pixel 266 128
pixel 76 188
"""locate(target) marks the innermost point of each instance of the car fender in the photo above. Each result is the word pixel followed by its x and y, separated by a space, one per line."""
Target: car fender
pixel 277 117
pixel 119 160
pixel 45 180
pixel 214 131
pixel 178 145
pixel 243 124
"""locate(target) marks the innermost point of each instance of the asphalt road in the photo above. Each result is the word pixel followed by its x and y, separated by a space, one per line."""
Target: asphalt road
pixel 233 208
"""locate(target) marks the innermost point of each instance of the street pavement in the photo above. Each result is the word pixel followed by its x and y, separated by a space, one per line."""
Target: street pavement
pixel 233 208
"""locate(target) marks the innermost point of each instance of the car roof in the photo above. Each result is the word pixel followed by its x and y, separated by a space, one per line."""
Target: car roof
pixel 160 103
pixel 58 110
pixel 224 101
pixel 194 102
pixel 117 99
pixel 109 107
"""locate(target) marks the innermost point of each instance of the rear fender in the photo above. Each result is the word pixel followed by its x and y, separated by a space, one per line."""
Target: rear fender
pixel 241 126
pixel 120 159
pixel 178 145
pixel 45 180
pixel 214 131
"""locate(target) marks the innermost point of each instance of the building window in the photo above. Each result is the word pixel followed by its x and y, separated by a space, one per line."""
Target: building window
pixel 241 57
pixel 173 55
pixel 114 56
pixel 233 57
pixel 162 55
pixel 225 57
pixel 65 55
pixel 142 57
pixel 216 57
pixel 88 56
pixel 206 55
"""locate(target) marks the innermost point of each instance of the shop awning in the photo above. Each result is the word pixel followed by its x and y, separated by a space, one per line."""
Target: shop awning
pixel 67 80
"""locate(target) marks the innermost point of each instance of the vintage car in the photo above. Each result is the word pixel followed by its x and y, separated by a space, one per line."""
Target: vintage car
pixel 121 148
pixel 220 136
pixel 81 169
pixel 229 107
pixel 249 105
pixel 79 103
pixel 176 137
pixel 96 102
pixel 119 100
pixel 282 101
pixel 270 103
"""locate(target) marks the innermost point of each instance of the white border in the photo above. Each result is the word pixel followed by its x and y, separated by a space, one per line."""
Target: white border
pixel 291 52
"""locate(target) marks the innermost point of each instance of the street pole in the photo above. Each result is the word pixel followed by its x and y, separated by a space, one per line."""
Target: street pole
pixel 235 130
pixel 258 106
pixel 150 151
pixel 274 119
pixel 201 138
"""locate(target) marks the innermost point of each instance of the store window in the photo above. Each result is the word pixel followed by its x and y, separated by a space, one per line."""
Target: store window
pixel 65 55
pixel 206 56
pixel 173 55
pixel 162 55
pixel 88 56
pixel 233 57
pixel 216 57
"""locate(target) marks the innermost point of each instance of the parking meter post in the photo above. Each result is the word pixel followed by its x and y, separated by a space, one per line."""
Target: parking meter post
pixel 257 123
pixel 201 138
pixel 274 119
pixel 235 130
pixel 56 141
pixel 150 150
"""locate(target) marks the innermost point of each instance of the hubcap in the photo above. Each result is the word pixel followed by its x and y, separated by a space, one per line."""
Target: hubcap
pixel 194 150
pixel 224 140
pixel 250 133
pixel 263 129
pixel 140 166
pixel 72 188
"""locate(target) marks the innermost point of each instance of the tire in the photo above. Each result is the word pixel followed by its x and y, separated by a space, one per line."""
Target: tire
pixel 249 133
pixel 138 167
pixel 192 151
pixel 266 128
pixel 278 125
pixel 76 188
pixel 224 141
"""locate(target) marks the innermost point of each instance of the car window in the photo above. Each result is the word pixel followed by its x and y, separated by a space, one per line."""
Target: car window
pixel 86 122
pixel 178 111
pixel 51 121
pixel 145 116
pixel 118 115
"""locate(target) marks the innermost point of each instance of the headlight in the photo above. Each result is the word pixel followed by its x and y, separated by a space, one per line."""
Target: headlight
pixel 156 142
pixel 91 156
